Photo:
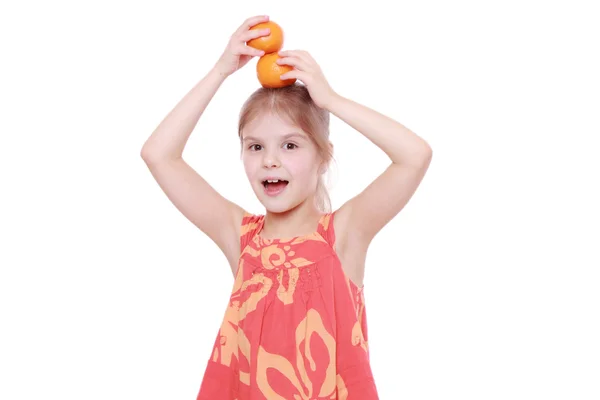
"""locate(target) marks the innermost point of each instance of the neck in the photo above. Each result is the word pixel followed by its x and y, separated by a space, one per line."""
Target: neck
pixel 297 221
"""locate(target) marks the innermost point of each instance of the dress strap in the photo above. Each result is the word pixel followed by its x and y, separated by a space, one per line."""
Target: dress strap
pixel 251 224
pixel 325 228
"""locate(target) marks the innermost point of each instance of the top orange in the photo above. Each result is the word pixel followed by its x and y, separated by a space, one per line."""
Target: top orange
pixel 271 43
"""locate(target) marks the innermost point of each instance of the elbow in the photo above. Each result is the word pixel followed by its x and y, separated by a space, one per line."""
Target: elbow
pixel 426 157
pixel 422 155
pixel 428 153
pixel 150 155
pixel 154 157
pixel 152 152
pixel 426 148
pixel 420 158
pixel 146 154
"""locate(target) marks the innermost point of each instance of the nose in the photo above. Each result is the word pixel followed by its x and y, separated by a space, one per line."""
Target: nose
pixel 270 160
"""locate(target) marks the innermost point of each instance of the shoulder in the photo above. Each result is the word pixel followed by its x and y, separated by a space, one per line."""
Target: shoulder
pixel 248 219
pixel 249 225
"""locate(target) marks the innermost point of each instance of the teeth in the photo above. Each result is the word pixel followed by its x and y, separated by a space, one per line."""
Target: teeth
pixel 273 181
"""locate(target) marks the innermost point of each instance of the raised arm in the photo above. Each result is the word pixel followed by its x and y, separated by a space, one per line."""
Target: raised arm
pixel 192 195
pixel 361 217
pixel 369 211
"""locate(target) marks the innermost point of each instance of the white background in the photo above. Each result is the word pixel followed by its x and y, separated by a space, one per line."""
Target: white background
pixel 484 287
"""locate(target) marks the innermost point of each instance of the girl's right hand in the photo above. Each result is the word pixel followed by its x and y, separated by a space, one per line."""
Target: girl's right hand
pixel 237 53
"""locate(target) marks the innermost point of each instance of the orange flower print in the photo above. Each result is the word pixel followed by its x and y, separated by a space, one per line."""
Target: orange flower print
pixel 299 385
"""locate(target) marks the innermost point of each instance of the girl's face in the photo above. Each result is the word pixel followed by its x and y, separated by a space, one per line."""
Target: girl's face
pixel 281 163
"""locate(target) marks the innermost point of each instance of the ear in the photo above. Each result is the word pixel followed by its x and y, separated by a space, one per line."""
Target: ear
pixel 323 165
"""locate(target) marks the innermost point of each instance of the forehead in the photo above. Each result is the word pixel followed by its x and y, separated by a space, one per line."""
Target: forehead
pixel 268 125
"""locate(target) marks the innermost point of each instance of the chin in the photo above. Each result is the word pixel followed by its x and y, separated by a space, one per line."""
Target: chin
pixel 279 206
pixel 276 205
pixel 276 209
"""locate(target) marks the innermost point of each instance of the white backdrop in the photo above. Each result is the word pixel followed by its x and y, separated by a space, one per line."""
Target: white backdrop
pixel 484 287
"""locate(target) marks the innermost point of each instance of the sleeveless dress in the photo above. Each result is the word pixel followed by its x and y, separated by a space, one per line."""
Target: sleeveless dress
pixel 295 327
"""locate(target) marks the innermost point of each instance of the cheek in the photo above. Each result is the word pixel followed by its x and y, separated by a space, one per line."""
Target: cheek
pixel 249 167
pixel 302 168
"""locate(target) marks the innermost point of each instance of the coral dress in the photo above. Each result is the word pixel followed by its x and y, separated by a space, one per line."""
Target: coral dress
pixel 295 326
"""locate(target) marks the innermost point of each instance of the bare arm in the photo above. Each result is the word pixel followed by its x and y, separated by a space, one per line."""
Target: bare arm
pixel 385 197
pixel 410 155
pixel 192 195
pixel 170 137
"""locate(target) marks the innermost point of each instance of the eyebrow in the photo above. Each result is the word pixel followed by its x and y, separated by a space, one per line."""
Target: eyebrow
pixel 285 137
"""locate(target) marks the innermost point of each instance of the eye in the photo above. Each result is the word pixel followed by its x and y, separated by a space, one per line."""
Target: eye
pixel 290 146
pixel 253 147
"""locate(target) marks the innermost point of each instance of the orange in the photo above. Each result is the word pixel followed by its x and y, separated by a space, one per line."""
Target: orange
pixel 271 43
pixel 268 71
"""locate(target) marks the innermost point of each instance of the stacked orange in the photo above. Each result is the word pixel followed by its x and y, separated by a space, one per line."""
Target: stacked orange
pixel 267 69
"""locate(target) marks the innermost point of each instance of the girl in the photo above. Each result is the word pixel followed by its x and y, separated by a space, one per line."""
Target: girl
pixel 295 326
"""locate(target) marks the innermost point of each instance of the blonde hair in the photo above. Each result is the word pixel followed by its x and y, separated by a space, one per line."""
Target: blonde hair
pixel 294 103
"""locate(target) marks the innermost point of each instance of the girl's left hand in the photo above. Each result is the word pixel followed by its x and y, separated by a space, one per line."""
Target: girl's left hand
pixel 308 71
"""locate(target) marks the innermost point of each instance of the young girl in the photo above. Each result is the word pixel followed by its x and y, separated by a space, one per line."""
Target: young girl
pixel 295 326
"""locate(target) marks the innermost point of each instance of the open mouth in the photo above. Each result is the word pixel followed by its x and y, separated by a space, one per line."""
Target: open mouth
pixel 275 186
pixel 275 182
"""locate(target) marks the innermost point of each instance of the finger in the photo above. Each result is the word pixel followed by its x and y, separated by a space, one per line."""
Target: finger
pixel 287 53
pixel 247 50
pixel 296 53
pixel 253 34
pixel 308 56
pixel 294 62
pixel 305 55
pixel 294 74
pixel 250 22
